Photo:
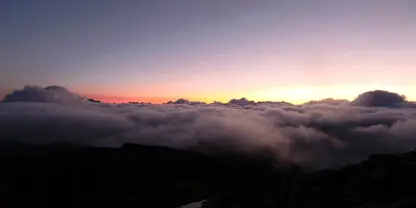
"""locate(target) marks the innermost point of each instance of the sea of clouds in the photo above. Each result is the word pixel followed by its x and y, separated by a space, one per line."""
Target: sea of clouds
pixel 318 133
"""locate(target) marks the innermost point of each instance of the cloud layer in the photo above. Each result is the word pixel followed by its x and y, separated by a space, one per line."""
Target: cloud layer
pixel 319 134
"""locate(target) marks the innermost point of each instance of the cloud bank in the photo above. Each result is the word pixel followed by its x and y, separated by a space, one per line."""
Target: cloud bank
pixel 379 98
pixel 51 94
pixel 319 134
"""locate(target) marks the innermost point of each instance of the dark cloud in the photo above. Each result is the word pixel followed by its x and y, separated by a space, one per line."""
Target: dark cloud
pixel 319 135
pixel 51 94
pixel 379 98
pixel 48 122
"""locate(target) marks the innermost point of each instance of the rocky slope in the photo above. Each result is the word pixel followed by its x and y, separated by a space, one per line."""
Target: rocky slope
pixel 142 176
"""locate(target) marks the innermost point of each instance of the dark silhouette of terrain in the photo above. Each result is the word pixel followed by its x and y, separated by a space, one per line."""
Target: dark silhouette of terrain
pixel 144 176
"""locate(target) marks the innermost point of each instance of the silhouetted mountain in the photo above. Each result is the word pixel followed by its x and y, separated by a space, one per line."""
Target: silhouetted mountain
pixel 94 101
pixel 179 101
pixel 143 176
pixel 328 101
pixel 140 103
pixel 242 101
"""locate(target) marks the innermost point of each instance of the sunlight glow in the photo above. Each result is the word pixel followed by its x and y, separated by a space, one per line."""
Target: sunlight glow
pixel 298 95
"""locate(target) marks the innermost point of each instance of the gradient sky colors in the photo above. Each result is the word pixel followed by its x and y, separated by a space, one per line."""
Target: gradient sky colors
pixel 159 50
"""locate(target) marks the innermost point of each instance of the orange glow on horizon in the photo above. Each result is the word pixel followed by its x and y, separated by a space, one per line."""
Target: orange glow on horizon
pixel 154 100
pixel 292 94
pixel 116 99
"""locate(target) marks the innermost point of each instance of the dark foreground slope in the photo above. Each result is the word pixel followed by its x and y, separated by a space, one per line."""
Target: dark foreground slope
pixel 131 176
pixel 140 176
pixel 384 181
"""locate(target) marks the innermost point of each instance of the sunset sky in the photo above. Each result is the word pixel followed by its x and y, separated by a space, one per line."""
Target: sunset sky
pixel 160 50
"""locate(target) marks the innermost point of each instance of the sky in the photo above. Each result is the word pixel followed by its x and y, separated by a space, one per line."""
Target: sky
pixel 159 50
